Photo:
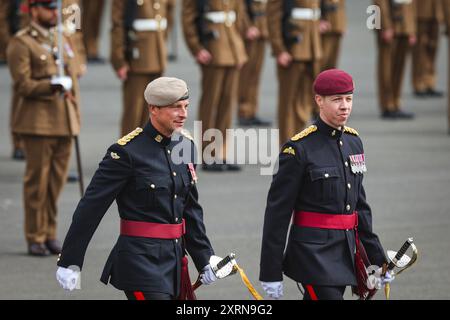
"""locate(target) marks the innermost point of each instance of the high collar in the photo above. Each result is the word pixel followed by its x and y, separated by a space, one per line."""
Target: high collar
pixel 327 130
pixel 155 135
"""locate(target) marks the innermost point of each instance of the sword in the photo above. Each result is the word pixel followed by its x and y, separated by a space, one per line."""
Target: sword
pixel 400 260
pixel 222 268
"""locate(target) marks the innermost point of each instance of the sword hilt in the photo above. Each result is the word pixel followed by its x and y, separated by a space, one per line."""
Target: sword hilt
pixel 400 253
pixel 222 263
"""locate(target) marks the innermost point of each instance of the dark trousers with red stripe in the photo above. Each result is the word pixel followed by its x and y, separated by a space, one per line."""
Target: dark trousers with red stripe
pixel 323 292
pixel 140 295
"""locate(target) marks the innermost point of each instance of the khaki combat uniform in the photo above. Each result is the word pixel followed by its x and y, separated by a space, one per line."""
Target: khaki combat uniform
pixel 333 11
pixel 46 123
pixel 142 48
pixel 302 41
pixel 429 17
pixel 399 16
pixel 446 7
pixel 224 21
pixel 249 80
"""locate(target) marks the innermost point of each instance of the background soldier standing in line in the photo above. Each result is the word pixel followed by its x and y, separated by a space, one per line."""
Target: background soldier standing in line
pixel 395 39
pixel 249 79
pixel 92 19
pixel 212 33
pixel 429 18
pixel 12 18
pixel 295 39
pixel 333 26
pixel 446 6
pixel 138 52
pixel 45 120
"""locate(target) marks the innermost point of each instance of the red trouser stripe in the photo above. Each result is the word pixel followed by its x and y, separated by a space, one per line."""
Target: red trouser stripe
pixel 139 295
pixel 311 292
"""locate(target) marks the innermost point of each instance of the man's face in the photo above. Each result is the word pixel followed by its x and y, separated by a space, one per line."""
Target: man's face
pixel 170 118
pixel 335 110
pixel 46 17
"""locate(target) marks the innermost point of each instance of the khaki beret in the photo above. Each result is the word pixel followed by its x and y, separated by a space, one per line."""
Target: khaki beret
pixel 165 91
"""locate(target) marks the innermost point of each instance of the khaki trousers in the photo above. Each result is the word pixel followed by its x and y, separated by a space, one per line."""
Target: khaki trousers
pixel 391 68
pixel 249 80
pixel 331 46
pixel 92 19
pixel 135 108
pixel 295 99
pixel 47 163
pixel 219 95
pixel 424 55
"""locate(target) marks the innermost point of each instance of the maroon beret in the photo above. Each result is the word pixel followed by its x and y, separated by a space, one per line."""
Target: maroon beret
pixel 333 81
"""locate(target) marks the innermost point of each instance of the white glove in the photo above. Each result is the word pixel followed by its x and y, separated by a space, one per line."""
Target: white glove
pixel 273 289
pixel 207 276
pixel 68 278
pixel 64 81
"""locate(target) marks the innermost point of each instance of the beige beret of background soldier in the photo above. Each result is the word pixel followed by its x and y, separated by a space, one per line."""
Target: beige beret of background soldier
pixel 157 198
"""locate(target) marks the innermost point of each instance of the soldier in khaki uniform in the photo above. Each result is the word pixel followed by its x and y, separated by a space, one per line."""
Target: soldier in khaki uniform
pixel 249 81
pixel 296 45
pixel 333 27
pixel 138 52
pixel 45 119
pixel 395 39
pixel 446 7
pixel 429 17
pixel 92 18
pixel 212 33
pixel 12 19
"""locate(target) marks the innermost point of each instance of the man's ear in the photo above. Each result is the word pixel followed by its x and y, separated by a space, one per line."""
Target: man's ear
pixel 319 100
pixel 152 109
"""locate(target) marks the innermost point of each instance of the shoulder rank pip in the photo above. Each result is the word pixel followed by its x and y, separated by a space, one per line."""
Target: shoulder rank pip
pixel 125 139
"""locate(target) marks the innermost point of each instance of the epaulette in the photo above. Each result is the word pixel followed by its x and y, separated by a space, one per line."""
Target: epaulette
pixel 21 32
pixel 187 134
pixel 125 139
pixel 304 133
pixel 351 131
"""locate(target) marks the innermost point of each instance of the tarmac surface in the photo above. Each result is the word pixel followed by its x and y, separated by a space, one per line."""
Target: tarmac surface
pixel 407 182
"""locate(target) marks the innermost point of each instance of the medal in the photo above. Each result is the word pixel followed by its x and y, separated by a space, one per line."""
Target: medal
pixel 358 163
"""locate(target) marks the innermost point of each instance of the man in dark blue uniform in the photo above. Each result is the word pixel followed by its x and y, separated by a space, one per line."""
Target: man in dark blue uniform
pixel 319 185
pixel 152 178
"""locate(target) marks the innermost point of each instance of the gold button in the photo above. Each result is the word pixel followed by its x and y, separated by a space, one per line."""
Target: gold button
pixel 346 163
pixel 327 175
pixel 152 186
pixel 174 174
pixel 140 2
pixel 156 6
pixel 158 17
pixel 176 240
pixel 175 196
pixel 341 143
pixel 168 151
pixel 349 186
pixel 348 207
pixel 43 57
pixel 176 219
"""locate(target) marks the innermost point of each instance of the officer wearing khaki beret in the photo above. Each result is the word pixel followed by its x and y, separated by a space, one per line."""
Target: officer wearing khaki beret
pixel 212 30
pixel 295 39
pixel 429 18
pixel 92 19
pixel 446 7
pixel 144 174
pixel 138 51
pixel 45 120
pixel 249 80
pixel 333 26
pixel 394 40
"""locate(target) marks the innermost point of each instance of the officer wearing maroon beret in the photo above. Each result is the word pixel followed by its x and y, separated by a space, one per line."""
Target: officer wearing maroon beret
pixel 319 187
